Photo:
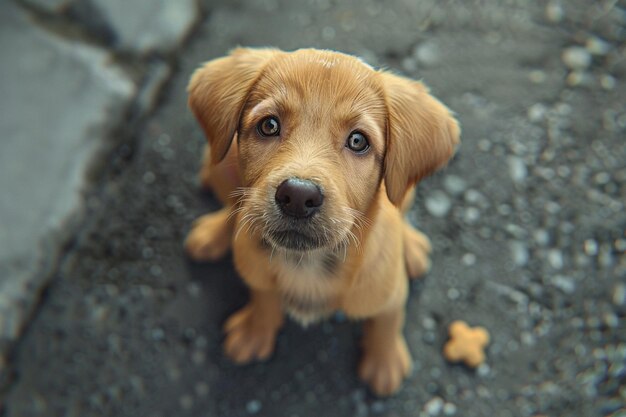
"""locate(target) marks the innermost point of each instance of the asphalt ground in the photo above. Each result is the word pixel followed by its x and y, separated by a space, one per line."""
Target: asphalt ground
pixel 527 224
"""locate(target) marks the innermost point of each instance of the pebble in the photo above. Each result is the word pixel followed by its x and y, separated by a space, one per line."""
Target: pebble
pixel 541 236
pixel 619 295
pixel 186 402
pixel 253 406
pixel 468 259
pixel 537 112
pixel 449 409
pixel 149 177
pixel 555 258
pixel 202 389
pixel 590 246
pixel 434 406
pixel 409 64
pixel 483 370
pixel 427 53
pixel 519 253
pixel 554 11
pixel 471 215
pixel 484 145
pixel 453 294
pixel 607 81
pixel 597 46
pixel 576 58
pixel 578 78
pixel 455 185
pixel 563 283
pixel 517 169
pixel 438 204
pixel 537 76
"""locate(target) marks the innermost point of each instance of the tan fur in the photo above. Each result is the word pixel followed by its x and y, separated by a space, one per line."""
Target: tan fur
pixel 363 250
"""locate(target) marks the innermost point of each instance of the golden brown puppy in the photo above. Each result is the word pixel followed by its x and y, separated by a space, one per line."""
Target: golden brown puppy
pixel 325 150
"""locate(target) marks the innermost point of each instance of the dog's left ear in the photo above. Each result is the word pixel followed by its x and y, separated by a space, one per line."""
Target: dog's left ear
pixel 421 137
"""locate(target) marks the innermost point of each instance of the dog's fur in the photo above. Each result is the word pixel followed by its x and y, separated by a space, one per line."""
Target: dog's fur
pixel 356 253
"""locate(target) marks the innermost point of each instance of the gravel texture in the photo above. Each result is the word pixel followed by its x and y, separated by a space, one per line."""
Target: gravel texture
pixel 527 224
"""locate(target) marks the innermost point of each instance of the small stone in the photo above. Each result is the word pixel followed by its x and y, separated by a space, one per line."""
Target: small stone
pixel 328 33
pixel 602 178
pixel 455 185
pixel 605 256
pixel 619 295
pixel 149 177
pixel 157 334
pixel 597 46
pixel 590 247
pixel 576 58
pixel 253 406
pixel 198 357
pixel 453 294
pixel 537 112
pixel 438 204
pixel 517 169
pixel 483 370
pixel 505 209
pixel 186 402
pixel 202 389
pixel 555 258
pixel 427 53
pixel 434 406
pixel 611 320
pixel 194 289
pixel 471 215
pixel 541 236
pixel 468 259
pixel 563 283
pixel 578 78
pixel 449 409
pixel 554 11
pixel 429 323
pixel 537 76
pixel 409 64
pixel 607 81
pixel 519 253
pixel 484 145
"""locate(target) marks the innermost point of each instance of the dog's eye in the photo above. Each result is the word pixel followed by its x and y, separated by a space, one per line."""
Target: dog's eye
pixel 269 126
pixel 357 142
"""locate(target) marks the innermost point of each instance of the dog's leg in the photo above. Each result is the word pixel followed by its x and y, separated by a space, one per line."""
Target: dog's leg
pixel 417 249
pixel 251 331
pixel 206 170
pixel 417 246
pixel 211 235
pixel 386 358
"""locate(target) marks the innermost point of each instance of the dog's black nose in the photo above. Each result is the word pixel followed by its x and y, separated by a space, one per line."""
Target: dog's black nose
pixel 299 198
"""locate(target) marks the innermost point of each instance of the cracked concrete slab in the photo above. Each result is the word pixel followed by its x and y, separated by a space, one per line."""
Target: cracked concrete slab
pixel 139 27
pixel 59 99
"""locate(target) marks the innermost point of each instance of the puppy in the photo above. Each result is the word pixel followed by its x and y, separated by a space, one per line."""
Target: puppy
pixel 315 155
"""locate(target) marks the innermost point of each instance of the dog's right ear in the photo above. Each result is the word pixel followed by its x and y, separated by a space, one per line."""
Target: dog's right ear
pixel 218 90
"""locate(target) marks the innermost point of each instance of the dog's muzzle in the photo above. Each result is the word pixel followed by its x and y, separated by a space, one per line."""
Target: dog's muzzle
pixel 297 200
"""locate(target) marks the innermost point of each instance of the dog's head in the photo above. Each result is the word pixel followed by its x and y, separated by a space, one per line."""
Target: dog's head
pixel 318 133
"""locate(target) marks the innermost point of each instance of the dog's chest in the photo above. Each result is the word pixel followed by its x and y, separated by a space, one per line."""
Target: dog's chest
pixel 309 291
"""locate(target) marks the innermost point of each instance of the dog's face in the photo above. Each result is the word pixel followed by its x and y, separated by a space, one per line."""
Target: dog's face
pixel 317 132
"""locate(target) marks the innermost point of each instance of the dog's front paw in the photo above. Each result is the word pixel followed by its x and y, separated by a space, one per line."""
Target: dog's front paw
pixel 248 338
pixel 210 237
pixel 417 249
pixel 384 370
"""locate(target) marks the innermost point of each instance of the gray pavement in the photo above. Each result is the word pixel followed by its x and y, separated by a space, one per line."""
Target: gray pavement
pixel 527 222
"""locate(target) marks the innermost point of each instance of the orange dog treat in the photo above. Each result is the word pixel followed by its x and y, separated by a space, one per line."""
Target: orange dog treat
pixel 466 344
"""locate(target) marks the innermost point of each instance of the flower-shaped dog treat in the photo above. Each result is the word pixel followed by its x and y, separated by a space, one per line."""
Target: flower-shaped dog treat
pixel 466 344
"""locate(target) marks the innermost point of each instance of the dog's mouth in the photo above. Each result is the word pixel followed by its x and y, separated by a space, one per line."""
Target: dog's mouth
pixel 295 240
